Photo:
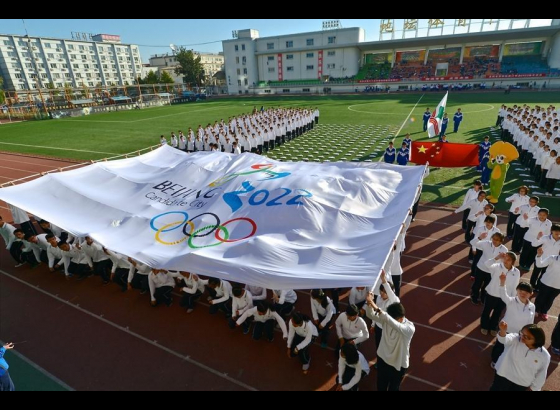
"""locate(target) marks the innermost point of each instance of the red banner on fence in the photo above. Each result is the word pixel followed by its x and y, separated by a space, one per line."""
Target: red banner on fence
pixel 448 78
pixel 386 80
pixel 516 76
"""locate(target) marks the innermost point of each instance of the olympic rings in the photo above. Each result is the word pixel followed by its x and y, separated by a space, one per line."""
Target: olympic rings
pixel 169 213
pixel 221 233
pixel 217 229
pixel 253 232
pixel 218 223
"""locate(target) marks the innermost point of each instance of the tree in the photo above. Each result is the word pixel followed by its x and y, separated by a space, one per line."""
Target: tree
pixel 2 95
pixel 190 67
pixel 151 78
pixel 166 78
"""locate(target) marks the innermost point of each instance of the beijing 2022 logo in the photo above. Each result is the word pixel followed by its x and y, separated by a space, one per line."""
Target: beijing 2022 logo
pixel 262 197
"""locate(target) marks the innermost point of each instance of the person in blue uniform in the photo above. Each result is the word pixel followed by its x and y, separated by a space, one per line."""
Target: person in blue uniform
pixel 6 383
pixel 390 154
pixel 484 148
pixel 408 141
pixel 444 124
pixel 486 172
pixel 426 118
pixel 457 120
pixel 403 155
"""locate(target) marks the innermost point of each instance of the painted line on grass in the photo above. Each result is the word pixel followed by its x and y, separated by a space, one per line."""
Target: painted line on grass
pixel 136 335
pixel 40 369
pixel 56 148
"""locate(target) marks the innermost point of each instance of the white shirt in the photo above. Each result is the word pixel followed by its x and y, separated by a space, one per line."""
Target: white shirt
pixel 517 201
pixel 7 233
pixel 471 195
pixel 550 246
pixel 194 284
pixel 394 348
pixel 358 296
pixel 285 296
pixel 258 293
pixel 140 268
pixel 95 252
pixel 536 227
pixel 223 292
pixel 524 367
pixel 518 315
pixel 512 280
pixel 159 281
pixel 475 206
pixel 269 315
pixel 356 330
pixel 478 232
pixel 361 366
pixel 318 310
pixel 307 330
pixel 489 251
pixel 384 304
pixel 531 212
pixel 552 276
pixel 554 171
pixel 242 304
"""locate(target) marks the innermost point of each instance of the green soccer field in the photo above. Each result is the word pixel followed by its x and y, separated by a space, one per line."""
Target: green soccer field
pixel 353 128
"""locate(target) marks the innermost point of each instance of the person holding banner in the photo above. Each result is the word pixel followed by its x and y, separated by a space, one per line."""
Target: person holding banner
pixel 264 316
pixel 444 124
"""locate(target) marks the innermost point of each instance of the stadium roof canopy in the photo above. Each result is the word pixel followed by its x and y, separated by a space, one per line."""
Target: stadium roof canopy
pixel 485 38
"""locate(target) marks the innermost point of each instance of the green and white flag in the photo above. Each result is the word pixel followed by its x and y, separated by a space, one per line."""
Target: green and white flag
pixel 434 126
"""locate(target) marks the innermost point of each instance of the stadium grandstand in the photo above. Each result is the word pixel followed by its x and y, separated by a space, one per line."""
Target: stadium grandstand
pixel 341 61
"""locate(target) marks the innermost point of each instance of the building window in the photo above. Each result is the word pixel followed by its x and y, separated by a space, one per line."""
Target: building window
pixel 6 43
pixel 244 60
pixel 310 55
pixel 44 76
pixel 52 65
pixel 289 44
pixel 271 69
pixel 289 56
pixel 236 48
pixel 310 67
pixel 75 66
pixel 270 46
pixel 286 90
pixel 239 71
pixel 239 83
pixel 270 58
pixel 331 66
pixel 19 76
pixel 246 82
pixel 50 55
pixel 243 47
pixel 331 53
pixel 236 60
pixel 310 42
pixel 267 91
pixel 291 68
pixel 82 47
pixel 245 71
pixel 332 40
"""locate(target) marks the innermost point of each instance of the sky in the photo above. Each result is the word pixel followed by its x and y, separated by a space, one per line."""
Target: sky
pixel 155 35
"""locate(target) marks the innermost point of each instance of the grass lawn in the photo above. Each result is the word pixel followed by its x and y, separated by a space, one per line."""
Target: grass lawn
pixel 353 128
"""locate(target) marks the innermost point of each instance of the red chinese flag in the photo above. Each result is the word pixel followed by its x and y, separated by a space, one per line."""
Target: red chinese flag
pixel 445 155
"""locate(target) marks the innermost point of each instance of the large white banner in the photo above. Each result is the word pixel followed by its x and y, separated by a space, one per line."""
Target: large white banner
pixel 241 218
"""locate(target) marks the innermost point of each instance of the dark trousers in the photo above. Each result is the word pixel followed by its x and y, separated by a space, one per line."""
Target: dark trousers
pixel 325 332
pixel 16 250
pixel 29 257
pixel 538 173
pixel 284 310
pixel 28 228
pixel 502 384
pixel 80 270
pixel 397 279
pixel 556 336
pixel 316 120
pixel 140 282
pixel 121 278
pixel 481 282
pixel 389 378
pixel 378 336
pixel 303 354
pixel 475 260
pixel 493 308
pixel 528 255
pixel 335 296
pixel 349 373
pixel 497 351
pixel 469 234
pixel 188 301
pixel 465 219
pixel 163 295
pixel 511 224
pixel 225 307
pixel 551 185
pixel 246 325
pixel 536 277
pixel 518 238
pixel 103 269
pixel 425 126
pixel 544 179
pixel 267 328
pixel 6 383
pixel 546 298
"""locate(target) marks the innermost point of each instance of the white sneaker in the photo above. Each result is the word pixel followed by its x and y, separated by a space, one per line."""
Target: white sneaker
pixel 20 265
pixel 493 365
pixel 190 311
pixel 484 332
pixel 306 367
